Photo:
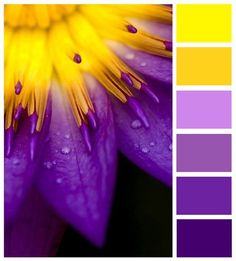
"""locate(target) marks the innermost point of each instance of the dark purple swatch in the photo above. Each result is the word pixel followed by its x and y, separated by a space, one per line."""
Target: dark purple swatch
pixel 204 238
pixel 203 195
pixel 204 152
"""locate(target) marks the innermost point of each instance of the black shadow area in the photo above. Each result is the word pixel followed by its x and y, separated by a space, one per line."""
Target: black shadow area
pixel 140 223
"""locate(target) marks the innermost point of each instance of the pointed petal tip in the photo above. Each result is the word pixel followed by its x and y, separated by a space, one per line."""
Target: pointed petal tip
pixel 126 79
pixel 77 58
pixel 18 88
pixel 132 29
pixel 137 109
pixel 86 136
pixel 168 45
pixel 33 122
pixel 18 112
pixel 145 88
pixel 92 119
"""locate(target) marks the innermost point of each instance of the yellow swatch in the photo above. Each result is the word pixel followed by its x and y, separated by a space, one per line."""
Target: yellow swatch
pixel 204 22
pixel 203 66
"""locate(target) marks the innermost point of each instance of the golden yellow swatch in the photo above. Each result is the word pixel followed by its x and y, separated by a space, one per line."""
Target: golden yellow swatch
pixel 203 66
pixel 204 22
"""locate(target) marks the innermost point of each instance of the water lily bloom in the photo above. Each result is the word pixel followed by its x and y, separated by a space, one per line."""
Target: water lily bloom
pixel 81 83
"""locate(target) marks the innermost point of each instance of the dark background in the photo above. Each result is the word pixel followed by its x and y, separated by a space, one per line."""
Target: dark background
pixel 140 223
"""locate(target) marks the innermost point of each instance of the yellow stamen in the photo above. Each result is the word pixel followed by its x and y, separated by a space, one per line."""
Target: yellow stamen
pixel 41 42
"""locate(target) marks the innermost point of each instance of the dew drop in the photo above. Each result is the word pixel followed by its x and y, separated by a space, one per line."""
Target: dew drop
pixel 129 56
pixel 170 146
pixel 143 64
pixel 59 180
pixel 16 161
pixel 145 150
pixel 152 144
pixel 67 136
pixel 47 164
pixel 65 150
pixel 136 124
pixel 54 162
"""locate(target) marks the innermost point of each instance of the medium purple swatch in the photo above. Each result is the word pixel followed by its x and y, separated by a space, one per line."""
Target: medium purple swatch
pixel 204 238
pixel 204 152
pixel 204 109
pixel 203 195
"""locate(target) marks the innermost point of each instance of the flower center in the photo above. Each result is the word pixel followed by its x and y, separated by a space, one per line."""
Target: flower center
pixel 46 43
pixel 41 16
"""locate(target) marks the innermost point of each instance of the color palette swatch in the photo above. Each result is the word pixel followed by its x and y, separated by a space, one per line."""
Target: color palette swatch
pixel 203 155
pixel 203 109
pixel 204 238
pixel 203 195
pixel 203 152
pixel 203 66
pixel 204 22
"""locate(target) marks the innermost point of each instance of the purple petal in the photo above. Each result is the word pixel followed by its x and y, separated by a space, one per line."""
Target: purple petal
pixel 19 167
pixel 36 232
pixel 159 29
pixel 156 67
pixel 78 183
pixel 149 148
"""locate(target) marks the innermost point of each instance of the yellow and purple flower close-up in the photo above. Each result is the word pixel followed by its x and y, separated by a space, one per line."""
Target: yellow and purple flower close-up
pixel 82 82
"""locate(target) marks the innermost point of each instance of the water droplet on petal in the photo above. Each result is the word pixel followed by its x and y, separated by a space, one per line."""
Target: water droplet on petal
pixel 129 56
pixel 143 64
pixel 54 162
pixel 170 146
pixel 59 180
pixel 65 150
pixel 67 136
pixel 152 144
pixel 136 124
pixel 16 161
pixel 145 150
pixel 47 164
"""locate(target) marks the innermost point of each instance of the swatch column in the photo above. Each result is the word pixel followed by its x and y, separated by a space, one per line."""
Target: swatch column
pixel 203 141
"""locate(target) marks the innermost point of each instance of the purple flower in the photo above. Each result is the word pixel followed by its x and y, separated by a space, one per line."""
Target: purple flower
pixel 61 141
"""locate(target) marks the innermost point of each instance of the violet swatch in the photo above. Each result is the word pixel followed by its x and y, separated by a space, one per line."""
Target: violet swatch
pixel 203 195
pixel 204 109
pixel 204 238
pixel 204 152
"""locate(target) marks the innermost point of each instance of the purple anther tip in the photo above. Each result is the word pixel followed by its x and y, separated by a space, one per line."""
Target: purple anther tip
pixel 127 79
pixel 145 88
pixel 132 29
pixel 77 58
pixel 137 109
pixel 33 145
pixel 33 122
pixel 92 119
pixel 18 88
pixel 9 134
pixel 18 112
pixel 85 133
pixel 168 45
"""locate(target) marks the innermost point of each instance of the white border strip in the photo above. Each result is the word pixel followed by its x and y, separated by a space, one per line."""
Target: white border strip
pixel 209 131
